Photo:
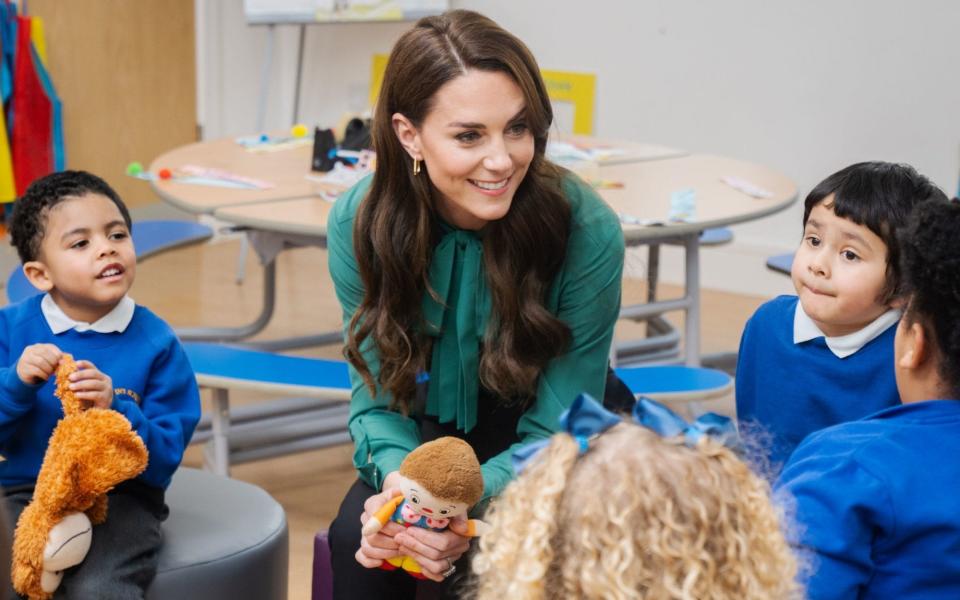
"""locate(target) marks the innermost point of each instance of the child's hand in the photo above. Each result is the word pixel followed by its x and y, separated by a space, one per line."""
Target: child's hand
pixel 91 385
pixel 37 363
pixel 376 548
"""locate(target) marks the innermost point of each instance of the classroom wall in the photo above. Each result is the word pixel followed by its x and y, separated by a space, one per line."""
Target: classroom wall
pixel 126 80
pixel 804 87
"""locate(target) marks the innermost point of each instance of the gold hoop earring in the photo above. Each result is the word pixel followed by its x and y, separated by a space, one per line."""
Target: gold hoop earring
pixel 416 167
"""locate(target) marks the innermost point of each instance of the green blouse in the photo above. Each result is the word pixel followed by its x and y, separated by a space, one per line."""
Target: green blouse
pixel 585 295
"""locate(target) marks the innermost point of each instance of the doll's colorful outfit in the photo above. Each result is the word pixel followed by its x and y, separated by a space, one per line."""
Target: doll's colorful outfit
pixel 405 515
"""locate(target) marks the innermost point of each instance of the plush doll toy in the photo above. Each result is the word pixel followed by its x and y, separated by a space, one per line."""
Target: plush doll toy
pixel 90 452
pixel 440 480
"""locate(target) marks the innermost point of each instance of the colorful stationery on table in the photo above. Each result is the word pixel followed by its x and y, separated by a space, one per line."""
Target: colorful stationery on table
pixel 197 175
pixel 273 143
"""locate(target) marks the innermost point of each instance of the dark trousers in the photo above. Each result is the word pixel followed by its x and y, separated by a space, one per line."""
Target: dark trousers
pixel 496 430
pixel 122 560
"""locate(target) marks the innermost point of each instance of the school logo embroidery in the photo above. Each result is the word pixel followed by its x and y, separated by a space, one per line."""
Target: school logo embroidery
pixel 132 395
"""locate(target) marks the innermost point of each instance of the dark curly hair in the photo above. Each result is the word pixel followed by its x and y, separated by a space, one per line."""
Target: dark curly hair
pixel 879 195
pixel 930 246
pixel 29 219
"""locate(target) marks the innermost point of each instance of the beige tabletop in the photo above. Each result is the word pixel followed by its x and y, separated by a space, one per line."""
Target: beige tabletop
pixel 300 216
pixel 648 186
pixel 285 169
pixel 292 214
pixel 612 152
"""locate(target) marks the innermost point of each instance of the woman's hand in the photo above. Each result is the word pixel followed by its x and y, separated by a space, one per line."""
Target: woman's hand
pixel 377 547
pixel 434 551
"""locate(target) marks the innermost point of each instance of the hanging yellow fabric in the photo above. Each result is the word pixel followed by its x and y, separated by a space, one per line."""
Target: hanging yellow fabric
pixel 8 192
pixel 38 38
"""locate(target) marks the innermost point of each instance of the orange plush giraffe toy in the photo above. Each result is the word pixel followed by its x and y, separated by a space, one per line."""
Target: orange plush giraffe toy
pixel 90 452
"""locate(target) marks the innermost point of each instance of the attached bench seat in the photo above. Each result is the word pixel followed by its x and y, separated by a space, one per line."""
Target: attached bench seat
pixel 315 416
pixel 316 411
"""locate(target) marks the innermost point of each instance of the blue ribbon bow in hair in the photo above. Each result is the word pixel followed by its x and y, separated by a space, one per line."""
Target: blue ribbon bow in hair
pixel 657 417
pixel 586 418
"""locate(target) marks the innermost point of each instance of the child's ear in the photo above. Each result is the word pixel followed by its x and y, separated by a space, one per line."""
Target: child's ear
pixel 914 347
pixel 38 275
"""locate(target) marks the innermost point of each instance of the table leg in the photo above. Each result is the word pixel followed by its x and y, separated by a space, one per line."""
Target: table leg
pixel 231 334
pixel 220 441
pixel 691 334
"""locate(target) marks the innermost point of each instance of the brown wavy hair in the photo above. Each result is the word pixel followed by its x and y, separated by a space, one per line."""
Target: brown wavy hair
pixel 396 227
pixel 637 516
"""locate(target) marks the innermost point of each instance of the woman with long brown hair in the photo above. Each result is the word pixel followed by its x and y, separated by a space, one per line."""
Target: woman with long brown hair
pixel 479 283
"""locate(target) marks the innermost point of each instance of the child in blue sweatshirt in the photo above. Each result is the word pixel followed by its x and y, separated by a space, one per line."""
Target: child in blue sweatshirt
pixel 72 233
pixel 823 357
pixel 876 499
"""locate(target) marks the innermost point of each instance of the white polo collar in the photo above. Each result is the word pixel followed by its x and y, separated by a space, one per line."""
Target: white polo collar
pixel 116 320
pixel 804 329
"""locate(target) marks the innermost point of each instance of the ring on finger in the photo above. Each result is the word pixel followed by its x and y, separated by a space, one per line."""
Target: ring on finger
pixel 451 570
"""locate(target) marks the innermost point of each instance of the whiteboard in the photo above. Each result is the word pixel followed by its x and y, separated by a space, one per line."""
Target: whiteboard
pixel 265 12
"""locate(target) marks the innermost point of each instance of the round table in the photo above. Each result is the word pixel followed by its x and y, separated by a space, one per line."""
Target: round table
pixel 293 213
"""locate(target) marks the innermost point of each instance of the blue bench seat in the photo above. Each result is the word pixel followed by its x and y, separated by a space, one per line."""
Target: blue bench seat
pixel 314 417
pixel 314 413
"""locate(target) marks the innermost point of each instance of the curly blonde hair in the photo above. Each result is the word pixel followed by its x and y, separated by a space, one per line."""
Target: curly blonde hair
pixel 637 516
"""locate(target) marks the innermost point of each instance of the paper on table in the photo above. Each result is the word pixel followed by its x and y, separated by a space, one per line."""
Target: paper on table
pixel 563 152
pixel 747 187
pixel 340 175
pixel 683 205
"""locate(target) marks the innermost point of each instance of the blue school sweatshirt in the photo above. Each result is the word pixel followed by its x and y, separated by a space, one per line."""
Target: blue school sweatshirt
pixel 877 508
pixel 154 388
pixel 789 390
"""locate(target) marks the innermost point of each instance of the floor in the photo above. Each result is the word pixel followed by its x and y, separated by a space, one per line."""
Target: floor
pixel 196 286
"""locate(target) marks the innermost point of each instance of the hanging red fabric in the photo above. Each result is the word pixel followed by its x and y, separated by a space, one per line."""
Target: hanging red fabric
pixel 30 141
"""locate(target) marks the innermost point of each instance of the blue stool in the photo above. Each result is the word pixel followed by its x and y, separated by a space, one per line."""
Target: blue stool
pixel 674 383
pixel 716 236
pixel 781 263
pixel 149 238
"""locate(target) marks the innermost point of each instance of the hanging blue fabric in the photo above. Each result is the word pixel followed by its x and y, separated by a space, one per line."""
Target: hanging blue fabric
pixel 7 42
pixel 9 27
pixel 56 137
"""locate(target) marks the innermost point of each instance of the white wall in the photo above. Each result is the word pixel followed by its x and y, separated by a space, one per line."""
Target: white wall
pixel 804 87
